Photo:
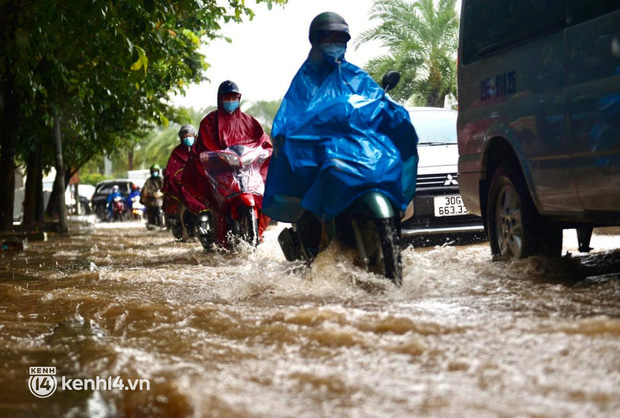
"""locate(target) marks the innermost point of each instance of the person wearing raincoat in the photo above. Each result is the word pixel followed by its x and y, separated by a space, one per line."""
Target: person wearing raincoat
pixel 110 201
pixel 222 128
pixel 178 203
pixel 148 194
pixel 337 135
pixel 133 197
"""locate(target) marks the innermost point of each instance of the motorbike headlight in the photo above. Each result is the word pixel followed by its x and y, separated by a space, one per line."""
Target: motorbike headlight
pixel 248 159
pixel 230 159
pixel 254 156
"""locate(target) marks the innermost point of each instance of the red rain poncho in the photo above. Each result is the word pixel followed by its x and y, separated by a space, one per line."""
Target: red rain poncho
pixel 219 130
pixel 173 186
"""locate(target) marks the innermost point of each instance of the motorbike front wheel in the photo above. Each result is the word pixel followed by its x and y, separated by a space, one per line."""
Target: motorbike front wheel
pixel 175 225
pixel 246 227
pixel 205 230
pixel 159 217
pixel 381 248
pixel 118 216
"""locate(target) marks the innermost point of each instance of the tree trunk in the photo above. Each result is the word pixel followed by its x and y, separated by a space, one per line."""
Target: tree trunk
pixel 433 98
pixel 130 160
pixel 8 141
pixel 34 178
pixel 39 205
pixel 60 176
pixel 441 100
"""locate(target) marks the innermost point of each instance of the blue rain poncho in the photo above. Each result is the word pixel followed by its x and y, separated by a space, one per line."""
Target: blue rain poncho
pixel 337 135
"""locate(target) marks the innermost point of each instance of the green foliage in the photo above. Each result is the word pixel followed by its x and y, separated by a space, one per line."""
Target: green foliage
pixel 264 112
pixel 106 67
pixel 422 38
pixel 92 178
pixel 157 146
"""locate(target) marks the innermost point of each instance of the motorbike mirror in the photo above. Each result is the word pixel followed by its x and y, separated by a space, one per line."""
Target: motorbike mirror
pixel 390 80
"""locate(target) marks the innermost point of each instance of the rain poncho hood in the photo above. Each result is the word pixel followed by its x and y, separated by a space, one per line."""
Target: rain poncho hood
pixel 337 136
pixel 220 129
pixel 173 174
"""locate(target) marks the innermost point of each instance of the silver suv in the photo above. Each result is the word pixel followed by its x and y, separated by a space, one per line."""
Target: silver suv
pixel 437 207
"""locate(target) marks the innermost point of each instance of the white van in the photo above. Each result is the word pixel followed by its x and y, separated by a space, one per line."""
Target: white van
pixel 539 120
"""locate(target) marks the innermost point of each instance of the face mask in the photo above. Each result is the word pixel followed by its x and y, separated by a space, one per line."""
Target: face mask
pixel 155 174
pixel 189 140
pixel 334 51
pixel 230 106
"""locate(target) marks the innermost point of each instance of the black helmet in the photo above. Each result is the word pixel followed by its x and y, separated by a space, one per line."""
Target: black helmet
pixel 227 87
pixel 187 129
pixel 327 22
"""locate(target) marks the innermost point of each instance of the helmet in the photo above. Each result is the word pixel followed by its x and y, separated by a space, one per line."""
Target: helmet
pixel 115 188
pixel 227 87
pixel 327 22
pixel 155 167
pixel 187 129
pixel 134 187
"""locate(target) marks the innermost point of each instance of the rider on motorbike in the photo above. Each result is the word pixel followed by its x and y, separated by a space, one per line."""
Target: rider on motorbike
pixel 110 201
pixel 149 196
pixel 222 128
pixel 134 199
pixel 179 205
pixel 337 138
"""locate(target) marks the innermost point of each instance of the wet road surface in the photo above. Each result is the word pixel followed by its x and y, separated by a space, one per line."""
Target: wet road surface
pixel 250 334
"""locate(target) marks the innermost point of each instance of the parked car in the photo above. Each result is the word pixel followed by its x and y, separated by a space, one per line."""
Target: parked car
pixel 85 193
pixel 539 120
pixel 437 206
pixel 103 189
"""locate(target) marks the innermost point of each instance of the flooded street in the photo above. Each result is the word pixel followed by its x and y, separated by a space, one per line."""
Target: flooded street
pixel 250 334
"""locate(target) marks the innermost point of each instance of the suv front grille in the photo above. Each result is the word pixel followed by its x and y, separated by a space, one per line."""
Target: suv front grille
pixel 437 184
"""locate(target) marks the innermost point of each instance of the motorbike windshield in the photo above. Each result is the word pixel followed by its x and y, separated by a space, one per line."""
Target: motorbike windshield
pixel 234 170
pixel 338 136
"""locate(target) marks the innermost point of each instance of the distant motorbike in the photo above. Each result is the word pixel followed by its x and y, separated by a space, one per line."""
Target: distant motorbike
pixel 177 216
pixel 154 211
pixel 137 209
pixel 370 224
pixel 236 189
pixel 119 213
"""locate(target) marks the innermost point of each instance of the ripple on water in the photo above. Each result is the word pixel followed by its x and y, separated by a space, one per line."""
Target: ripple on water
pixel 247 333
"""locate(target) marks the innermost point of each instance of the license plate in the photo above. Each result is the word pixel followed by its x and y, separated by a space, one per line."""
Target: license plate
pixel 450 205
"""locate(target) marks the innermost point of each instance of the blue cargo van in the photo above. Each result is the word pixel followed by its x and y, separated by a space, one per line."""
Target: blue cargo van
pixel 539 120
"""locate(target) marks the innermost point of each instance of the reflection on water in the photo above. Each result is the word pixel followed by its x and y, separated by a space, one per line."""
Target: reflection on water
pixel 250 334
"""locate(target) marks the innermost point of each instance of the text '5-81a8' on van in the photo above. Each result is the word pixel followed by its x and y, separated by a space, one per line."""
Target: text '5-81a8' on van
pixel 539 120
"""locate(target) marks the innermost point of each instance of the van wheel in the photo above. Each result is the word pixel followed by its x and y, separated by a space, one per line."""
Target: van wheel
pixel 516 230
pixel 100 212
pixel 84 208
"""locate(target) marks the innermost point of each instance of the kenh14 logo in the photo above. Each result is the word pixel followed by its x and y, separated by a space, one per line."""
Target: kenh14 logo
pixel 42 382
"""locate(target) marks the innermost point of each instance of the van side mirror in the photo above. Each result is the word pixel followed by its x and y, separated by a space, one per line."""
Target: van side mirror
pixel 390 80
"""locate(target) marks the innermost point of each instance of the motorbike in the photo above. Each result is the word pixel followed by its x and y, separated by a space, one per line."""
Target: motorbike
pixel 236 190
pixel 178 218
pixel 137 209
pixel 118 209
pixel 370 225
pixel 154 211
pixel 172 216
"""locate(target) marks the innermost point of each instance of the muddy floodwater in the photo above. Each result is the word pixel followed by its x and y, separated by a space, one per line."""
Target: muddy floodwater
pixel 184 333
